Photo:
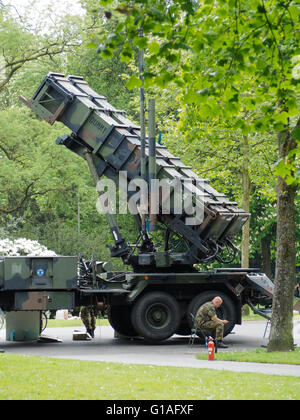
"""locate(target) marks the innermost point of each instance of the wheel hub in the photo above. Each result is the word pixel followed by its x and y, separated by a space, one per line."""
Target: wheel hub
pixel 158 315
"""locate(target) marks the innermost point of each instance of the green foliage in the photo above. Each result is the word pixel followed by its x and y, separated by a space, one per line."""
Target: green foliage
pixel 216 152
pixel 235 66
pixel 41 182
pixel 28 159
pixel 106 76
pixel 40 186
pixel 22 43
pixel 227 58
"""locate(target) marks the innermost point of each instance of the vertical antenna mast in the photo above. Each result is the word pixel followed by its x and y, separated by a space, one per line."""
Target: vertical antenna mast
pixel 152 163
pixel 144 198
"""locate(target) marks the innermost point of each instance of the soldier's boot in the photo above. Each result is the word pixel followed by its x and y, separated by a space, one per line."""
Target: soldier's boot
pixel 90 332
pixel 221 345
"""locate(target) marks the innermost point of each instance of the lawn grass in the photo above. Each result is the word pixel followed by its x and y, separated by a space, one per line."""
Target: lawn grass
pixel 258 356
pixel 57 323
pixel 42 378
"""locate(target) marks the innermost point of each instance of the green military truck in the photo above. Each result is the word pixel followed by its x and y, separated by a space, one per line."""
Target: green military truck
pixel 159 297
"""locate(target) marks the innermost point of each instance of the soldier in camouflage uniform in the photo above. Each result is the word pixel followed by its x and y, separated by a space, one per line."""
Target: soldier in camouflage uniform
pixel 89 316
pixel 206 318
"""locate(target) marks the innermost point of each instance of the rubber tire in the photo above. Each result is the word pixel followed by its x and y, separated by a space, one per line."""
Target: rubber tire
pixel 156 316
pixel 119 317
pixel 184 328
pixel 2 318
pixel 226 310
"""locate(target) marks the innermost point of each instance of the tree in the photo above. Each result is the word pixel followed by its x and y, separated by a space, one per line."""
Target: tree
pixel 22 43
pixel 227 57
pixel 40 181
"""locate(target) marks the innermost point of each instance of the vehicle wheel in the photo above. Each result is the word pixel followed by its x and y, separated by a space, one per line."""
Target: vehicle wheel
pixel 119 318
pixel 156 316
pixel 184 328
pixel 44 321
pixel 2 318
pixel 226 310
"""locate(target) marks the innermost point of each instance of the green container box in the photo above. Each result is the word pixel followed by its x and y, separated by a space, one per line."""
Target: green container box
pixel 36 273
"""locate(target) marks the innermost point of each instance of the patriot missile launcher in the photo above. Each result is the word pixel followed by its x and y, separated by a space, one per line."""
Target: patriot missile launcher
pixel 111 144
pixel 165 288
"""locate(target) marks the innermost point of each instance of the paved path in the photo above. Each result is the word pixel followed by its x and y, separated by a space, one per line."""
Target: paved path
pixel 173 352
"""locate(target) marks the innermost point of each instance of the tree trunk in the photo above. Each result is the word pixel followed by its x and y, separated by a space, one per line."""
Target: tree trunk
pixel 246 203
pixel 281 338
pixel 266 256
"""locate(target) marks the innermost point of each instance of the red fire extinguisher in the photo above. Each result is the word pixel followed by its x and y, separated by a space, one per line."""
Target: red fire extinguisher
pixel 211 349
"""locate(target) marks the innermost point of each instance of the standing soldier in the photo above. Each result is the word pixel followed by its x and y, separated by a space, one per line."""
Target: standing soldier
pixel 89 316
pixel 206 318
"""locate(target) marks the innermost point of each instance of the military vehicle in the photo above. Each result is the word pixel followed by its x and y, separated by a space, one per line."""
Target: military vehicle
pixel 165 287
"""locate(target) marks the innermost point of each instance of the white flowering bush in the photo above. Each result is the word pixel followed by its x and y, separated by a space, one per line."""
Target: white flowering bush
pixel 22 246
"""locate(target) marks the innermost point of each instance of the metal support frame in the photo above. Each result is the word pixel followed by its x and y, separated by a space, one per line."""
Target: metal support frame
pixel 204 332
pixel 120 249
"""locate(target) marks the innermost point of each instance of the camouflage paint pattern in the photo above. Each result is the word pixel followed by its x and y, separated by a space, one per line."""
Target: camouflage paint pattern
pixel 44 301
pixel 38 283
pixel 30 273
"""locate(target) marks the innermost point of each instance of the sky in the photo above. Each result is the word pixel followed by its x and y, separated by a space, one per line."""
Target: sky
pixel 71 6
pixel 35 7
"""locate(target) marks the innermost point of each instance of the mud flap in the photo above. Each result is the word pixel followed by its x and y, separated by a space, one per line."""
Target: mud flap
pixel 262 283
